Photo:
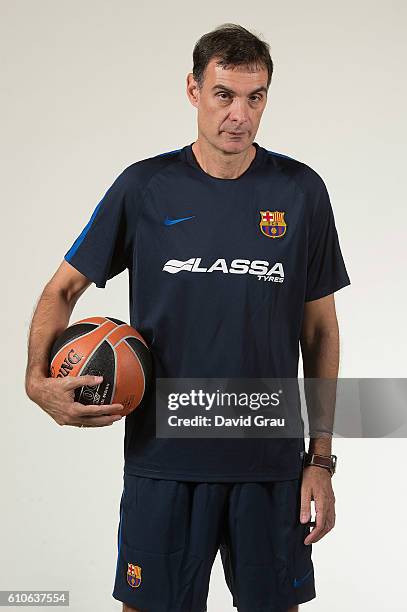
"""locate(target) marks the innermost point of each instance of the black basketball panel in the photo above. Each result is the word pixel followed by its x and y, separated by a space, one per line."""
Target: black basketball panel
pixel 144 355
pixel 69 334
pixel 101 362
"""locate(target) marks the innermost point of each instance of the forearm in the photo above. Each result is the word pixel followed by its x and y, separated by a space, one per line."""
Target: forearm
pixel 50 319
pixel 321 361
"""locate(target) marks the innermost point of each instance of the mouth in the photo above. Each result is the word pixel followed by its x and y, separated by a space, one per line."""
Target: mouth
pixel 236 133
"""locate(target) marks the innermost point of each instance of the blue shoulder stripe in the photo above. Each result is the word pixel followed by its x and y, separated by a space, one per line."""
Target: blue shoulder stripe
pixel 280 154
pixel 168 152
pixel 69 254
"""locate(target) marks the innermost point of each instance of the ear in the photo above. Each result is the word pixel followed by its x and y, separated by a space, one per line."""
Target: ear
pixel 192 90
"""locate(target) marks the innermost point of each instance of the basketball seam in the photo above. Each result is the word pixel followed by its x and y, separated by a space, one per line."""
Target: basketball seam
pixel 95 348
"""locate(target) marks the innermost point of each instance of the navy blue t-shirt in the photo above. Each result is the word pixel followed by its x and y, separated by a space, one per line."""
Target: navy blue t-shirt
pixel 220 294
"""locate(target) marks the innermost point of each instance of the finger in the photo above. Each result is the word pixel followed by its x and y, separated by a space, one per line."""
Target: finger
pixel 305 511
pixel 102 421
pixel 95 410
pixel 330 521
pixel 326 513
pixel 319 526
pixel 327 528
pixel 87 380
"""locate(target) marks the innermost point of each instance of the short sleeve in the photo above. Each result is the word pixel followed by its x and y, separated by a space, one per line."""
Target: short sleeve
pixel 103 248
pixel 326 271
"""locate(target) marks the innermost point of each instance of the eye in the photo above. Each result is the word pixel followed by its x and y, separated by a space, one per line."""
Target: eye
pixel 256 98
pixel 223 93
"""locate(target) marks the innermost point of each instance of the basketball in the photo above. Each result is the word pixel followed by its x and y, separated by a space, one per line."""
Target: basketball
pixel 108 347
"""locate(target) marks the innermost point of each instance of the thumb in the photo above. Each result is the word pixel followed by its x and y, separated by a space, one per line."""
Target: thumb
pixel 305 511
pixel 79 381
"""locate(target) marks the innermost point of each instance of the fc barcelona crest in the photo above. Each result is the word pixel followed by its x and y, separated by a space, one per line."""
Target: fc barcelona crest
pixel 133 575
pixel 272 223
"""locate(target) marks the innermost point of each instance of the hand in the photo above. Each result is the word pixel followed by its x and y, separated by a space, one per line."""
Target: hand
pixel 317 485
pixel 56 397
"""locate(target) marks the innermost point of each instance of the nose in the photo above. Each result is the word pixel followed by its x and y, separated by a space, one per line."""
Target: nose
pixel 238 111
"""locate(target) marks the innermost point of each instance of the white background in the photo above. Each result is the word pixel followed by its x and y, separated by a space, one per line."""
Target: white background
pixel 89 87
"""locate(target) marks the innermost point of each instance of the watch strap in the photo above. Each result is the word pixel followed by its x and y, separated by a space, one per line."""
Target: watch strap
pixel 327 462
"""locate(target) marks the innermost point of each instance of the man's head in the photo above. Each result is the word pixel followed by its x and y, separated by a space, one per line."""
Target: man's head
pixel 228 85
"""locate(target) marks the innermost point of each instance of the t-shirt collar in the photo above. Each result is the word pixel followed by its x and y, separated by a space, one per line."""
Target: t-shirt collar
pixel 189 156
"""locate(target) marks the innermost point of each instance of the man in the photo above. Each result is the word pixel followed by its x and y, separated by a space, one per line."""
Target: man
pixel 233 260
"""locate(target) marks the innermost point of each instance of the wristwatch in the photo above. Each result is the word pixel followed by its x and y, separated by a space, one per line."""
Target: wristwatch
pixel 327 462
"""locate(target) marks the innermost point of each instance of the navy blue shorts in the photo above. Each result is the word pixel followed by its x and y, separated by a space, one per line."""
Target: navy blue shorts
pixel 170 531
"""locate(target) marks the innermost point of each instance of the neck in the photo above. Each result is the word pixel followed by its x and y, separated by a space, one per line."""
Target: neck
pixel 219 164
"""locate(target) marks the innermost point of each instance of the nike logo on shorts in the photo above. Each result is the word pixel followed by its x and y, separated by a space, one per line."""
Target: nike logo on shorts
pixel 298 581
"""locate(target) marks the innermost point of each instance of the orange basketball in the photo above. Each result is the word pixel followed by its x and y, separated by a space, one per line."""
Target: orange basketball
pixel 108 347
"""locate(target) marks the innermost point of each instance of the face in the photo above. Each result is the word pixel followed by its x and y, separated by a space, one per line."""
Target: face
pixel 230 105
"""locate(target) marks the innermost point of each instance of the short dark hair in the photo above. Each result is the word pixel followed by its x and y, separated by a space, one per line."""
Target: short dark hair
pixel 234 46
